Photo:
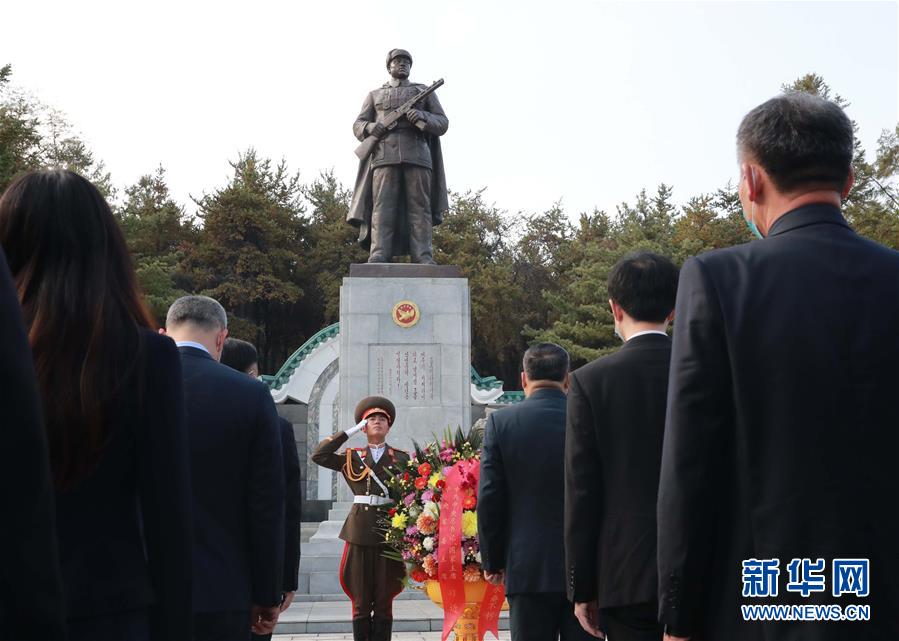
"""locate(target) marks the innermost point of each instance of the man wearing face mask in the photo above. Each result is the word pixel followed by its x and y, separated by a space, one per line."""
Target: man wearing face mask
pixel 613 451
pixel 781 430
pixel 236 478
pixel 368 578
pixel 400 190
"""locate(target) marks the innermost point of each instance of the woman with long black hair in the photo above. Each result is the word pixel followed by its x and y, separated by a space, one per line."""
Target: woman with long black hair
pixel 112 403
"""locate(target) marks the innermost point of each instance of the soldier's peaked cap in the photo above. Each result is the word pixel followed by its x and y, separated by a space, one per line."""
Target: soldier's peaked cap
pixel 375 405
pixel 396 53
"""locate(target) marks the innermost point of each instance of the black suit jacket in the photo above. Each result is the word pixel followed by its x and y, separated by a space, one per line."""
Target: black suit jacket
pixel 521 491
pixel 613 452
pixel 782 427
pixel 125 531
pixel 238 483
pixel 31 598
pixel 293 506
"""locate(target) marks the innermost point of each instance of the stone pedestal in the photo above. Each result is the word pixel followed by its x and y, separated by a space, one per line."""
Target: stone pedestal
pixel 405 333
pixel 418 354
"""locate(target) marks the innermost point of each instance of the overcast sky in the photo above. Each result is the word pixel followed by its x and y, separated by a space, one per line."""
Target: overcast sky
pixel 587 102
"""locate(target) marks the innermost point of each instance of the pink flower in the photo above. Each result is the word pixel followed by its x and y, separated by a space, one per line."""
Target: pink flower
pixel 412 530
pixel 427 495
pixel 409 499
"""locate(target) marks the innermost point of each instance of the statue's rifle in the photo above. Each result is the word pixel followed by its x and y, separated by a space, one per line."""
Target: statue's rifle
pixel 393 117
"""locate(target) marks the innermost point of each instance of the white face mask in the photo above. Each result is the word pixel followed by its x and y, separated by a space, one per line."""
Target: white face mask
pixel 618 333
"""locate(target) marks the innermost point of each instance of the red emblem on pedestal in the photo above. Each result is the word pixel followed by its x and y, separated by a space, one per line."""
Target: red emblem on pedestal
pixel 406 313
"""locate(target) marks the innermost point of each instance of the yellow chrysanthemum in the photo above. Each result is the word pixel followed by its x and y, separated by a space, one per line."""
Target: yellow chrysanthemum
pixel 399 521
pixel 434 478
pixel 469 523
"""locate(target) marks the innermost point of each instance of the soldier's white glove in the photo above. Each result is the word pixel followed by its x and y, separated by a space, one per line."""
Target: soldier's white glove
pixel 356 428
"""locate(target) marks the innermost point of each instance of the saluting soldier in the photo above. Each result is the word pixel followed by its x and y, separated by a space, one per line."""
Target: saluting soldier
pixel 369 578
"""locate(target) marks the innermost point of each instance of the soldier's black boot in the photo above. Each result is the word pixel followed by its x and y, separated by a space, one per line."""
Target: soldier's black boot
pixel 380 629
pixel 362 629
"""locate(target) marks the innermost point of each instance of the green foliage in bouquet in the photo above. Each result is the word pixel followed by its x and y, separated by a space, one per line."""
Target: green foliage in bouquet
pixel 411 526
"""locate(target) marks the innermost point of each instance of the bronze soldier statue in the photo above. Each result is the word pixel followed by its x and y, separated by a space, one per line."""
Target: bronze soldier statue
pixel 369 578
pixel 401 187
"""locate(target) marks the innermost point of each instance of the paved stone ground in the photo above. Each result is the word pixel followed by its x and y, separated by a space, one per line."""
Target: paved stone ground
pixel 331 619
pixel 397 636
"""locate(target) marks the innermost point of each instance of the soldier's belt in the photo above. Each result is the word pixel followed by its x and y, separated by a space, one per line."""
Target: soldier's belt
pixel 373 500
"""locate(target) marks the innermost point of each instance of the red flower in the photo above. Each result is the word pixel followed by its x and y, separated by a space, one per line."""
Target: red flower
pixel 424 469
pixel 441 484
pixel 405 476
pixel 421 482
pixel 469 502
pixel 419 575
pixel 391 511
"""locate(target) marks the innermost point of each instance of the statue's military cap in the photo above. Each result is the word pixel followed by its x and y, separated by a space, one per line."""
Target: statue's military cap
pixel 396 53
pixel 375 405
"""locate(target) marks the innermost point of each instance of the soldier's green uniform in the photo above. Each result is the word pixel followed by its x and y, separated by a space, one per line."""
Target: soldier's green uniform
pixel 368 578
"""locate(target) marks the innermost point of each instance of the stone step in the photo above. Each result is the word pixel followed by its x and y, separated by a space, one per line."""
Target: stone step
pixel 408 594
pixel 307 530
pixel 324 582
pixel 323 563
pixel 327 530
pixel 321 547
pixel 319 617
pixel 338 514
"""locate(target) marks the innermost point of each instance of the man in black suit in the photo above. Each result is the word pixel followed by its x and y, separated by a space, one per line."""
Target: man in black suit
pixel 238 484
pixel 779 461
pixel 244 357
pixel 613 451
pixel 31 598
pixel 520 499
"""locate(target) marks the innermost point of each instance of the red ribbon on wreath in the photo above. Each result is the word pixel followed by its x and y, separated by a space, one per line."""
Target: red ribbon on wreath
pixel 449 554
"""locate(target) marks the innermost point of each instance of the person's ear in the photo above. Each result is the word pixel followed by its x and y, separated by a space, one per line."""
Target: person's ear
pixel 751 176
pixel 524 381
pixel 850 180
pixel 670 317
pixel 566 382
pixel 617 310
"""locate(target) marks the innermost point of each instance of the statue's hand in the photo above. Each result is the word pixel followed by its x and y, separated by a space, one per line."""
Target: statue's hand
pixel 375 129
pixel 415 116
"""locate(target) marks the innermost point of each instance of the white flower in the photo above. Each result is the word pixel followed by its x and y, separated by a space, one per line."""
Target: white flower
pixel 477 557
pixel 428 543
pixel 432 510
pixel 414 511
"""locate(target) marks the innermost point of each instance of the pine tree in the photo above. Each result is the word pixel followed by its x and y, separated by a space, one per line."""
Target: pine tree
pixel 158 234
pixel 247 254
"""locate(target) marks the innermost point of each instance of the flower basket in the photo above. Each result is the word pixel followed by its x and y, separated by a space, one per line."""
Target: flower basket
pixel 466 626
pixel 433 530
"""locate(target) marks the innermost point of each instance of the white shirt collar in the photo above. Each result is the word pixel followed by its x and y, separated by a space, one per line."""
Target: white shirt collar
pixel 377 451
pixel 648 331
pixel 192 344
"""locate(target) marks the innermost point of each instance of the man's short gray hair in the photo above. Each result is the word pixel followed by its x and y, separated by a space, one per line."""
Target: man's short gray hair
pixel 801 140
pixel 206 312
